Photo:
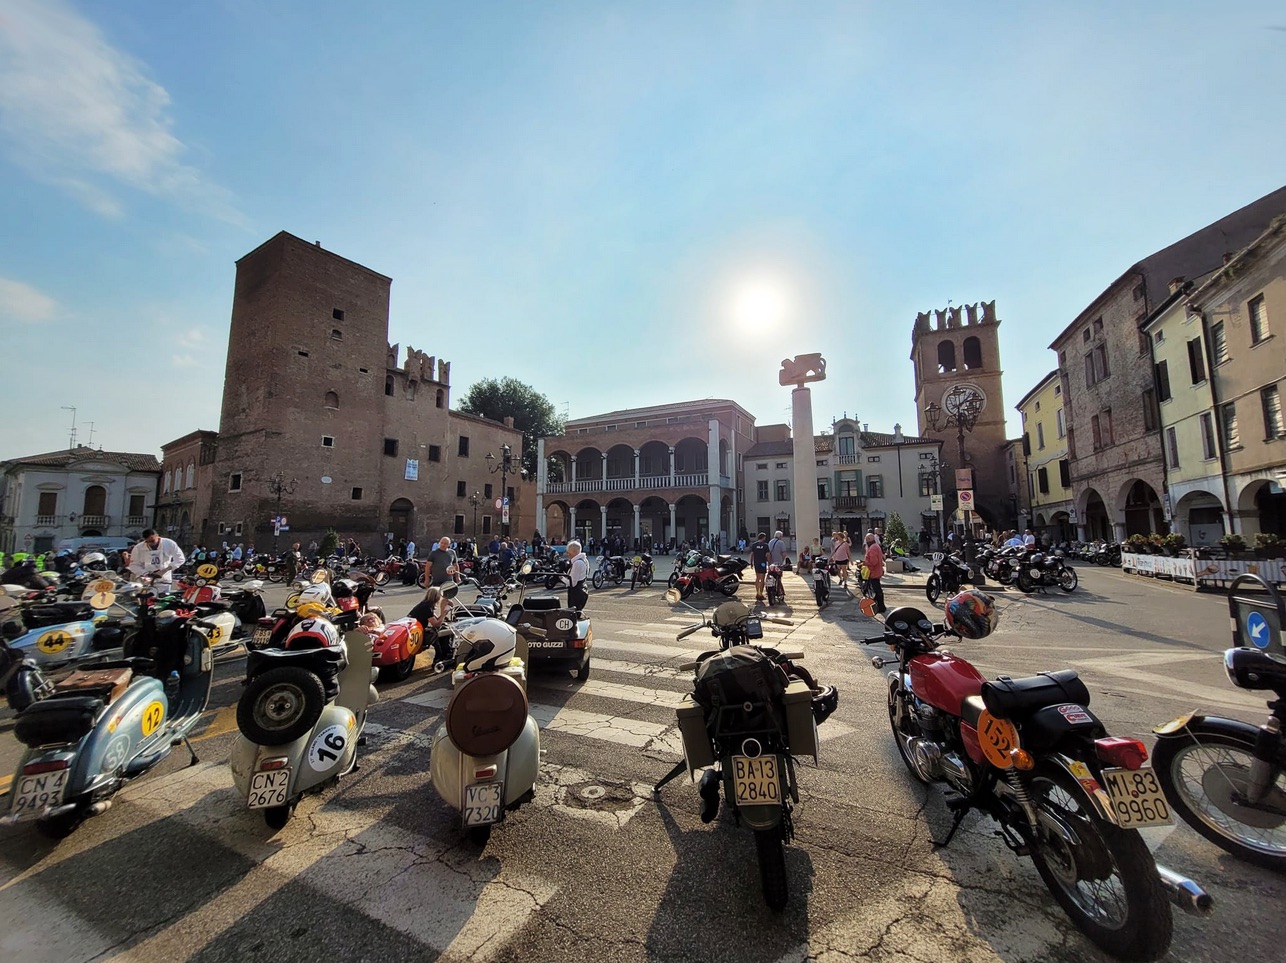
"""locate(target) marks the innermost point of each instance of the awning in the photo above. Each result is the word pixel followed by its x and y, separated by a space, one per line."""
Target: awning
pixel 928 514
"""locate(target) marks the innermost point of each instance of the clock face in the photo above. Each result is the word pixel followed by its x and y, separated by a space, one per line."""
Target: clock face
pixel 965 396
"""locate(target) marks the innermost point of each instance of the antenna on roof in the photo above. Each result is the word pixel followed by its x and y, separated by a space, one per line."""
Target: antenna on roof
pixel 71 444
pixel 90 443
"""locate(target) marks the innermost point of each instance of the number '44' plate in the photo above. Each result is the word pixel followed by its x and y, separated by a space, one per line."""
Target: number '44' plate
pixel 1137 799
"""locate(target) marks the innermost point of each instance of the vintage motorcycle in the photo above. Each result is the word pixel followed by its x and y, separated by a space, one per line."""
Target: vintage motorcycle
pixel 1224 777
pixel 751 712
pixel 303 711
pixel 772 586
pixel 950 573
pixel 1029 753
pixel 105 726
pixel 486 754
pixel 710 573
pixel 641 571
pixel 611 568
pixel 1041 570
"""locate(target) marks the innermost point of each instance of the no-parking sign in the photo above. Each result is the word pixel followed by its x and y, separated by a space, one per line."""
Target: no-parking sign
pixel 966 499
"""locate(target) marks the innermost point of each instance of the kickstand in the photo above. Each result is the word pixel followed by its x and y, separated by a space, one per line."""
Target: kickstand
pixel 194 760
pixel 961 810
pixel 678 770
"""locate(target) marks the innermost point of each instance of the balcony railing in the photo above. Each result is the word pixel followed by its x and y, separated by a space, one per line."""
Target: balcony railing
pixel 134 521
pixel 848 459
pixel 631 484
pixel 849 502
pixel 93 521
pixel 47 520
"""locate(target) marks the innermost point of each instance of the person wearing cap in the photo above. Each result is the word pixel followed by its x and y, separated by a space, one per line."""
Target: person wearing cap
pixel 156 558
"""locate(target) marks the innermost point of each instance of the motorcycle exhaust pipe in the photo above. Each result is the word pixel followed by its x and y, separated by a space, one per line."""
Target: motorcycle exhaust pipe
pixel 1184 893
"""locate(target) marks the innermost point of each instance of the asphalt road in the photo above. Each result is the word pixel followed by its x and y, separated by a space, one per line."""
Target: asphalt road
pixel 598 868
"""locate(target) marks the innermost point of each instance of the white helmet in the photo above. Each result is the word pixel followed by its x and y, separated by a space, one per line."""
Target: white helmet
pixel 487 644
pixel 94 560
pixel 319 593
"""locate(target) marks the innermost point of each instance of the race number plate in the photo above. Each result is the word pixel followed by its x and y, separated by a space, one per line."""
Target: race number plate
pixel 36 793
pixel 1137 799
pixel 755 780
pixel 482 803
pixel 268 789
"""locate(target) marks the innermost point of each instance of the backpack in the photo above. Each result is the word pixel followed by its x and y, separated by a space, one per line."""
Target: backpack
pixel 738 675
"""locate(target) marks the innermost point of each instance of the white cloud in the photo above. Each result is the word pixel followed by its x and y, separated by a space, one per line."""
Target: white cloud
pixel 82 115
pixel 192 338
pixel 22 302
pixel 183 361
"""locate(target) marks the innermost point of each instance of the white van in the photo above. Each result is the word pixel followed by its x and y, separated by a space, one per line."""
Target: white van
pixel 101 543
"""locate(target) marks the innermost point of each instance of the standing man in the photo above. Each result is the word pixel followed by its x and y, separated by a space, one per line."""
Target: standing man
pixel 777 549
pixel 874 561
pixel 1029 540
pixel 410 550
pixel 156 558
pixel 577 576
pixel 441 562
pixel 760 553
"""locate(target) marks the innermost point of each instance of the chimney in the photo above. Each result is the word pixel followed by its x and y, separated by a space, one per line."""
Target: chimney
pixel 897 434
pixel 1176 284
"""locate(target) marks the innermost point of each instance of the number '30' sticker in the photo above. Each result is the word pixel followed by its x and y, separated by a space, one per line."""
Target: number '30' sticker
pixel 327 747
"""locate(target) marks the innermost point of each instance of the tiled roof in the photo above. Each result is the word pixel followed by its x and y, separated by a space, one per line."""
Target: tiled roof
pixel 764 449
pixel 884 439
pixel 61 459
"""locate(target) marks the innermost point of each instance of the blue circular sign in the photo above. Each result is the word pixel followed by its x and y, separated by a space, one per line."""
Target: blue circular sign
pixel 1257 629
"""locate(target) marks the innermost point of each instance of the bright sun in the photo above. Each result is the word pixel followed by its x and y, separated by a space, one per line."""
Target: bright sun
pixel 759 304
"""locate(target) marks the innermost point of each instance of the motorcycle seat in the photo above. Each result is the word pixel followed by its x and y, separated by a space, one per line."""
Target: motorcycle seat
pixel 535 603
pixel 105 684
pixel 44 614
pixel 1008 698
pixel 60 720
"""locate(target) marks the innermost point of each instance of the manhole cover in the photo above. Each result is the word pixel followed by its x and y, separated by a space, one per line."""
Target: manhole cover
pixel 600 796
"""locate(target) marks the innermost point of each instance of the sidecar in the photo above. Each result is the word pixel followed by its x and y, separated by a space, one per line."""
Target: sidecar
pixel 562 638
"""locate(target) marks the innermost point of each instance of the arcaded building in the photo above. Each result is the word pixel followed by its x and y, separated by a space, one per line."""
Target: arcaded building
pixel 655 474
pixel 326 423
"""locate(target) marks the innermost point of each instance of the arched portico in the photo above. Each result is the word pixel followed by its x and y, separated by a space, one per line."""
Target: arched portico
pixel 1139 510
pixel 1199 517
pixel 1261 507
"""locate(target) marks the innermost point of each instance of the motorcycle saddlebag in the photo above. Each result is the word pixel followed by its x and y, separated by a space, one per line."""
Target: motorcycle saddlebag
pixel 738 675
pixel 1009 698
pixel 58 721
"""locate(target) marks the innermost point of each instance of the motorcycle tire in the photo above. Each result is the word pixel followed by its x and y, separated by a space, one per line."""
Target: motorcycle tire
pixel 687 590
pixel 598 580
pixel 1025 583
pixel 300 698
pixel 398 670
pixel 645 579
pixel 582 670
pixel 673 580
pixel 1068 580
pixel 276 817
pixel 1208 747
pixel 275 575
pixel 933 588
pixel 1004 576
pixel 238 575
pixel 1142 925
pixel 729 586
pixel 380 577
pixel 771 847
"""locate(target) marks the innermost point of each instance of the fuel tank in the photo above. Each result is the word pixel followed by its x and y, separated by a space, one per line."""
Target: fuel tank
pixel 943 681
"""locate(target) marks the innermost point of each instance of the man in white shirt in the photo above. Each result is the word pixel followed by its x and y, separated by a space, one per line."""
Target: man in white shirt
pixel 1029 539
pixel 410 550
pixel 156 558
pixel 577 575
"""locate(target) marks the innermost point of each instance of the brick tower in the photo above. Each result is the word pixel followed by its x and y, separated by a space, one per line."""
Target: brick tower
pixel 957 356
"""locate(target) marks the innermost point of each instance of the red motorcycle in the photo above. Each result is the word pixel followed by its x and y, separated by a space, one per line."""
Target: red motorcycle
pixel 1030 754
pixel 710 573
pixel 383 569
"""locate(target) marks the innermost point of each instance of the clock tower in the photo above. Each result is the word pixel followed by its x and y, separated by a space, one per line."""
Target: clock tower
pixel 956 353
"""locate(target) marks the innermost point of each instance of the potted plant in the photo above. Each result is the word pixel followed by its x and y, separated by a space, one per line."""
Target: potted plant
pixel 1138 544
pixel 1269 545
pixel 1233 542
pixel 1174 542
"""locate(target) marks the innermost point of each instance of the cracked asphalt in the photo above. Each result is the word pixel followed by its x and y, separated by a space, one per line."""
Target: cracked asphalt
pixel 599 868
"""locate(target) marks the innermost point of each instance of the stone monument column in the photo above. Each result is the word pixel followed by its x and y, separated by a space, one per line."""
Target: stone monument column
pixel 799 372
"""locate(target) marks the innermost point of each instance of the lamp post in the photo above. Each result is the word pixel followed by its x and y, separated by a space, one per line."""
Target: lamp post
pixel 277 485
pixel 960 410
pixel 475 499
pixel 930 472
pixel 505 468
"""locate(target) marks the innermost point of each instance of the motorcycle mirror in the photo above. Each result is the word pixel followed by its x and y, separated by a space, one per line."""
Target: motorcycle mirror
pixel 101 601
pixel 672 596
pixel 868 608
pixel 317 576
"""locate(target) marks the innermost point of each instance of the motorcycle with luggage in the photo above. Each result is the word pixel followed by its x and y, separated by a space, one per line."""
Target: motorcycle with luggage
pixel 104 726
pixel 950 574
pixel 485 755
pixel 1224 777
pixel 302 714
pixel 751 713
pixel 1031 754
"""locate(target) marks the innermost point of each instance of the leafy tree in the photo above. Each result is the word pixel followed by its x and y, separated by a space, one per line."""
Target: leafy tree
pixel 532 412
pixel 329 542
pixel 895 532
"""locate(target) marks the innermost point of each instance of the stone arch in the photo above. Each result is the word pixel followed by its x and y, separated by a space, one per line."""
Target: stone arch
pixel 946 356
pixel 654 460
pixel 588 520
pixel 589 465
pixel 620 517
pixel 691 518
pixel 1092 510
pixel 723 458
pixel 1139 507
pixel 401 519
pixel 972 353
pixel 620 461
pixel 1261 505
pixel 1199 517
pixel 190 480
pixel 440 398
pixel 654 518
pixel 691 456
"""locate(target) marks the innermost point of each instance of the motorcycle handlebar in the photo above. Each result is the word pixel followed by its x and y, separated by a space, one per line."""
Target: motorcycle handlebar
pixel 688 631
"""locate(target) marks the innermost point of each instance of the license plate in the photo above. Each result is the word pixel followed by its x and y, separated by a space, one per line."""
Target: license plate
pixel 268 789
pixel 37 793
pixel 482 803
pixel 1137 799
pixel 755 781
pixel 260 638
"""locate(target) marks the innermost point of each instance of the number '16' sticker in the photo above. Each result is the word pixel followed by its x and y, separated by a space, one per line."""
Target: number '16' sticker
pixel 327 747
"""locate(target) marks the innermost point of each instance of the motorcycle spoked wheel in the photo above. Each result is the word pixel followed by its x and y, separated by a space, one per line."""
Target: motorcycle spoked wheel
pixel 902 736
pixel 598 580
pixel 381 577
pixel 1026 583
pixel 729 586
pixel 933 588
pixel 1200 769
pixel 770 845
pixel 687 590
pixel 1068 580
pixel 1106 881
pixel 673 580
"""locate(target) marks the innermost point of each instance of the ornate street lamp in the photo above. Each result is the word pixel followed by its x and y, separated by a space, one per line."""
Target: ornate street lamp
pixel 277 485
pixel 505 468
pixel 960 410
pixel 475 500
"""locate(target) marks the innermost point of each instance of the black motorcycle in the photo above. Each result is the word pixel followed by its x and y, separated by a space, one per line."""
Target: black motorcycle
pixel 611 568
pixel 641 571
pixel 949 573
pixel 751 712
pixel 1041 570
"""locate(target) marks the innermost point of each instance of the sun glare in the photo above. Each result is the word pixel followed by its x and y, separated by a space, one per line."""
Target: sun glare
pixel 759 304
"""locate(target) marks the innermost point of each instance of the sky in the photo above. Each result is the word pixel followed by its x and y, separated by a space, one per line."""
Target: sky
pixel 620 204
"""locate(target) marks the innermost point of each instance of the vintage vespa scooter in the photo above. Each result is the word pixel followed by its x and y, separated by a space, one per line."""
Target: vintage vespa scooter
pixel 486 753
pixel 105 726
pixel 303 711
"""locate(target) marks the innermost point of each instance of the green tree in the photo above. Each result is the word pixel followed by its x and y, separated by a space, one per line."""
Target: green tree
pixel 329 542
pixel 895 532
pixel 532 412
